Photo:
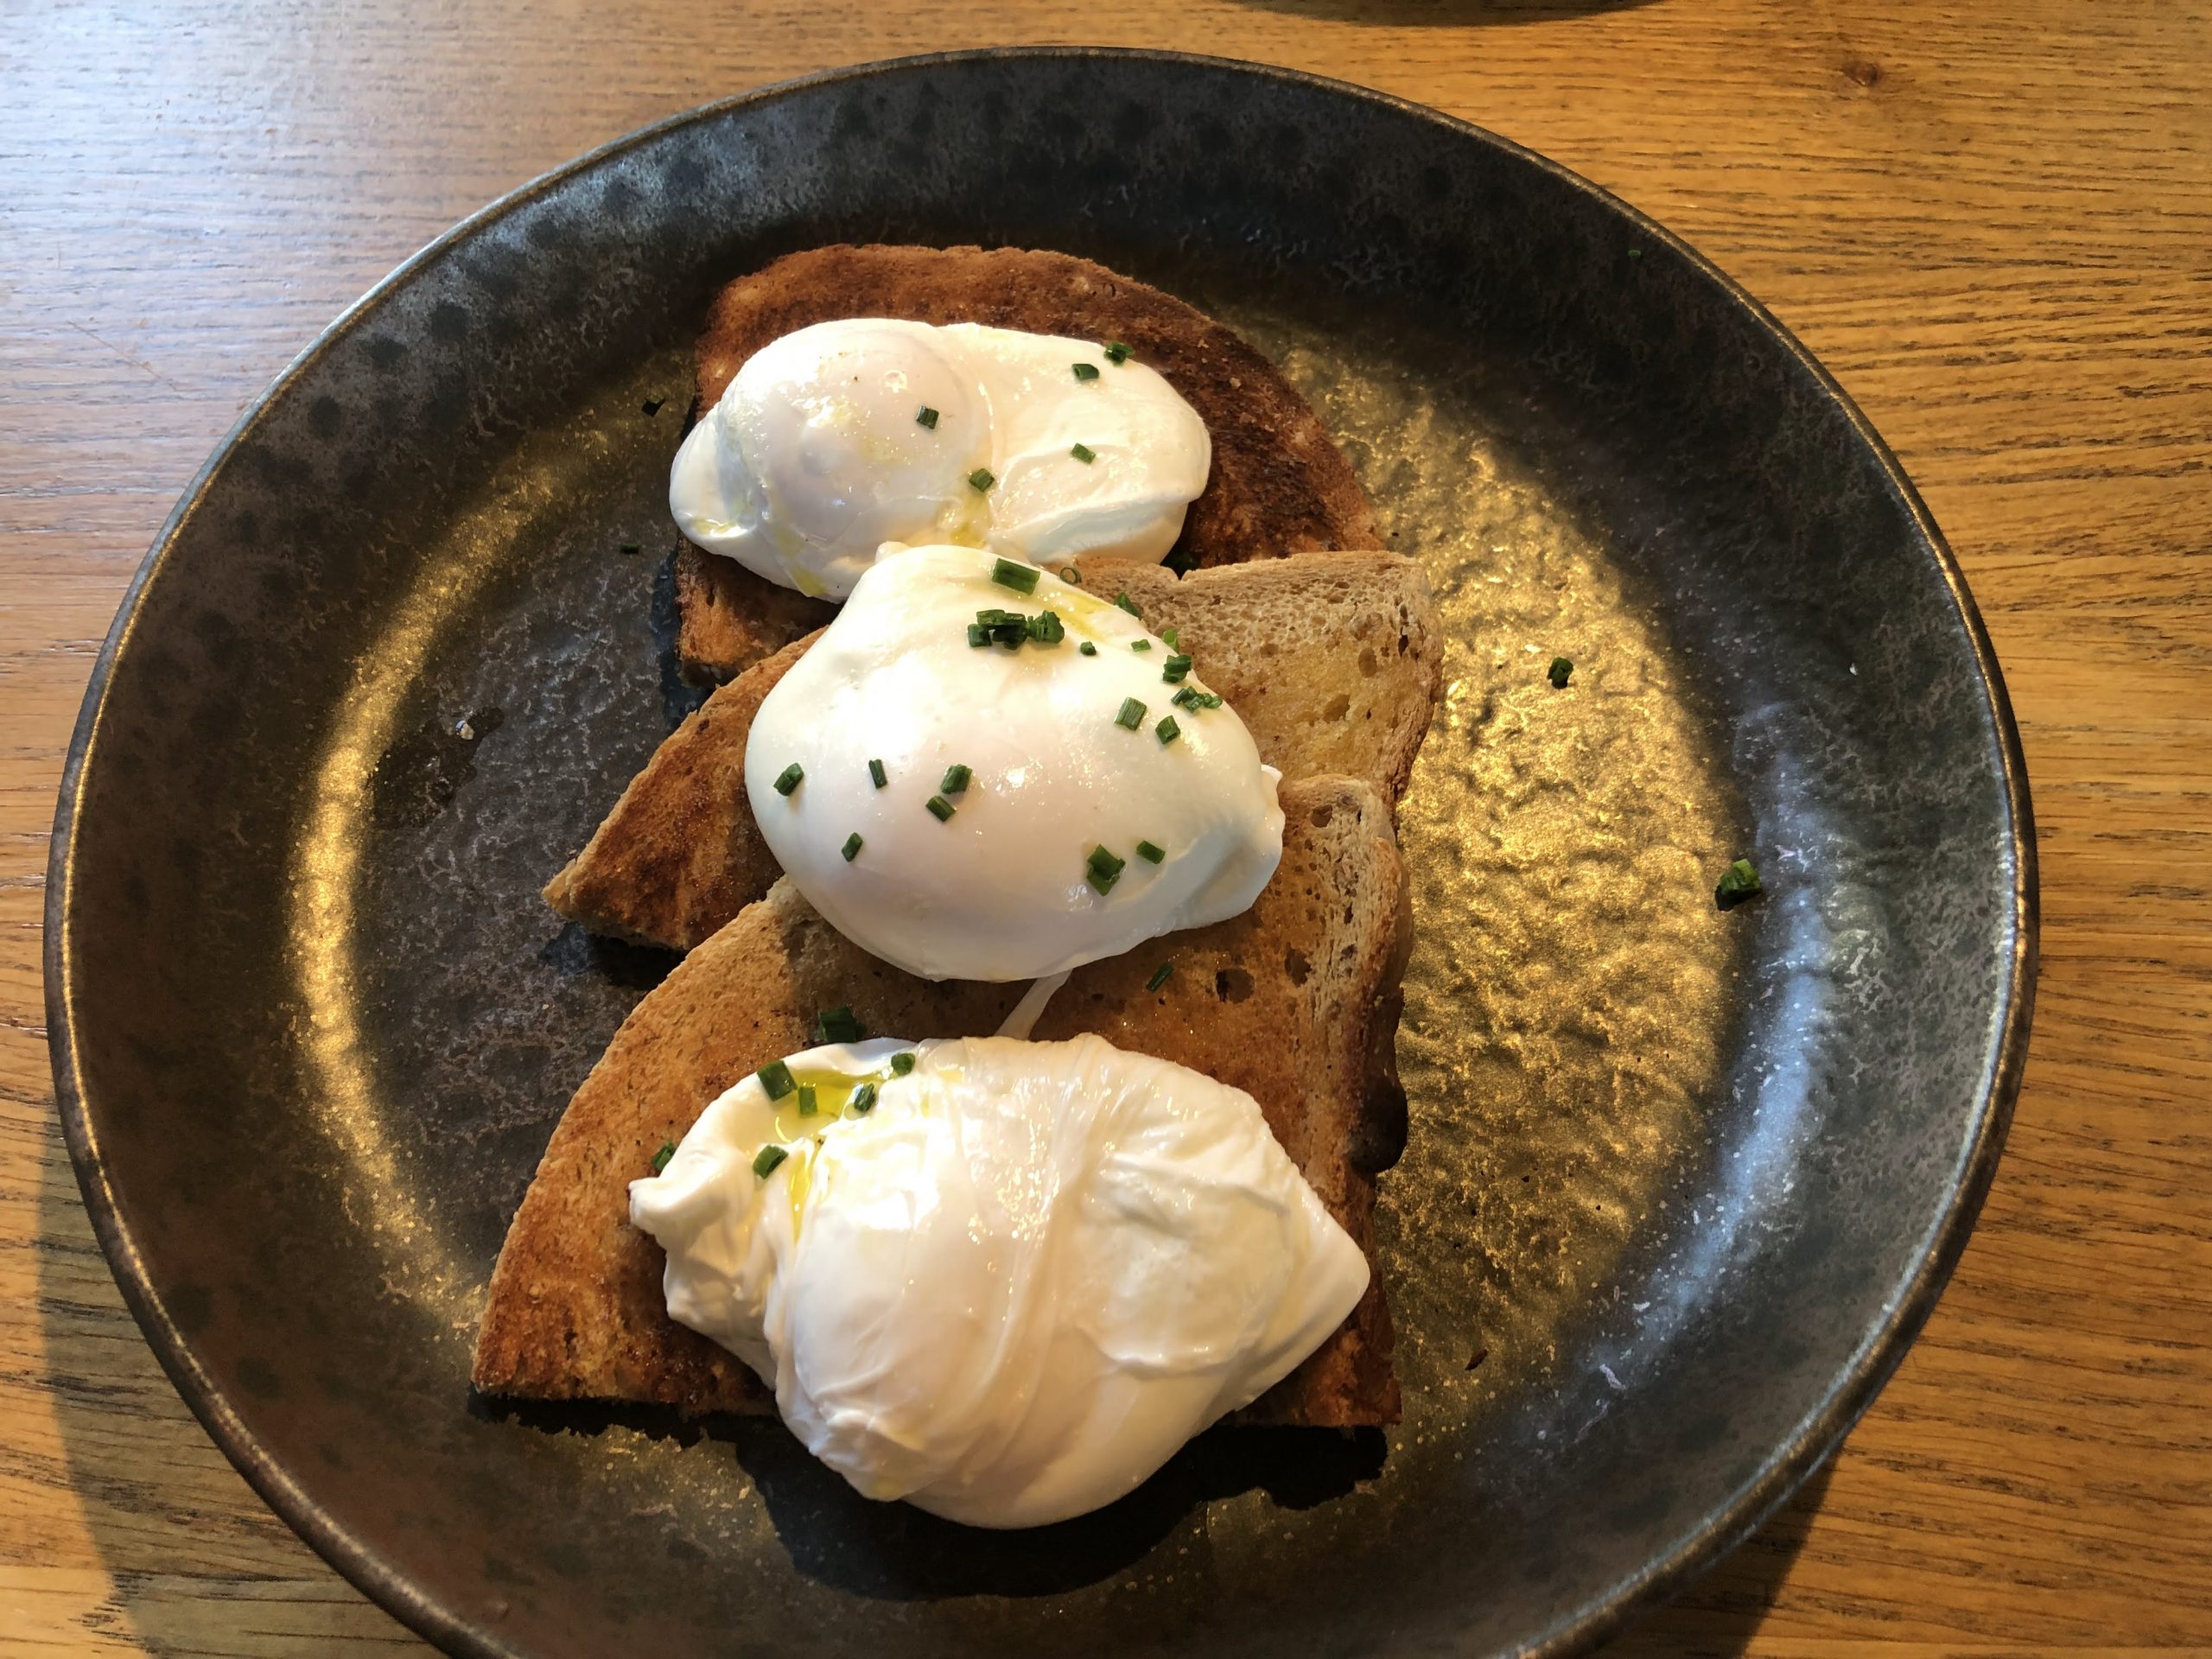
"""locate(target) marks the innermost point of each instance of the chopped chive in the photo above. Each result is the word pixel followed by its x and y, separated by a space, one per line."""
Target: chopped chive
pixel 1070 575
pixel 776 1078
pixel 1008 628
pixel 852 847
pixel 1209 699
pixel 1140 644
pixel 838 1025
pixel 902 1063
pixel 1115 353
pixel 955 779
pixel 809 1104
pixel 1175 668
pixel 926 416
pixel 1045 628
pixel 1557 673
pixel 1741 883
pixel 1168 730
pixel 1085 370
pixel 1132 714
pixel 876 775
pixel 1022 578
pixel 1088 648
pixel 940 808
pixel 787 779
pixel 1174 638
pixel 1160 976
pixel 1185 698
pixel 660 1159
pixel 632 547
pixel 1102 869
pixel 1085 453
pixel 1635 253
pixel 1128 604
pixel 981 479
pixel 1150 854
pixel 863 1101
pixel 765 1161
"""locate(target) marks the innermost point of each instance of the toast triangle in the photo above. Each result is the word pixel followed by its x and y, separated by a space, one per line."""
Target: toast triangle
pixel 1332 661
pixel 1296 1001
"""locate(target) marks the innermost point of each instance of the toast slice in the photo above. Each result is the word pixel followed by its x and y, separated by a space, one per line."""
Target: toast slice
pixel 1332 661
pixel 1280 485
pixel 679 854
pixel 1296 1001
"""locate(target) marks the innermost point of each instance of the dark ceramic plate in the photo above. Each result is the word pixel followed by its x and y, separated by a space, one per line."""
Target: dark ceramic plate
pixel 1688 1180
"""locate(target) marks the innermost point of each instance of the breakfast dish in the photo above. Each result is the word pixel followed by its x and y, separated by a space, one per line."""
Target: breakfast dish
pixel 1277 483
pixel 997 1250
pixel 304 1130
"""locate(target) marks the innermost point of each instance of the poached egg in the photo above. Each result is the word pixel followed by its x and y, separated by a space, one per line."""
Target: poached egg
pixel 1011 1279
pixel 840 437
pixel 1001 811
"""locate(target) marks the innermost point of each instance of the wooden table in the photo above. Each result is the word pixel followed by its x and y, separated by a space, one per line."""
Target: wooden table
pixel 1992 221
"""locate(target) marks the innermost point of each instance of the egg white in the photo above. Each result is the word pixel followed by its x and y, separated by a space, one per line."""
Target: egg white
pixel 1000 891
pixel 1009 1292
pixel 815 455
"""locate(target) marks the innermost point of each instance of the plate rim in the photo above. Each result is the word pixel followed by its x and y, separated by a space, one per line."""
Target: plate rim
pixel 1784 1468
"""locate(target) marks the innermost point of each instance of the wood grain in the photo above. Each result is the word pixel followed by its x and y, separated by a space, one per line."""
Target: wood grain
pixel 1992 221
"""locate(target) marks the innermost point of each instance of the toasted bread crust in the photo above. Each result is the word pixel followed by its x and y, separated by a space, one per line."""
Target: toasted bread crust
pixel 1294 1001
pixel 727 619
pixel 680 854
pixel 1279 484
pixel 1332 660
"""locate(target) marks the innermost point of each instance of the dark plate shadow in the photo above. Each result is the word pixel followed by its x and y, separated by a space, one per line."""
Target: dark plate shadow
pixel 894 1552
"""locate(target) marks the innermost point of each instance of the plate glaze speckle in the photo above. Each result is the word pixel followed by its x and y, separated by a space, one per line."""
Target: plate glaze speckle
pixel 1689 1180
